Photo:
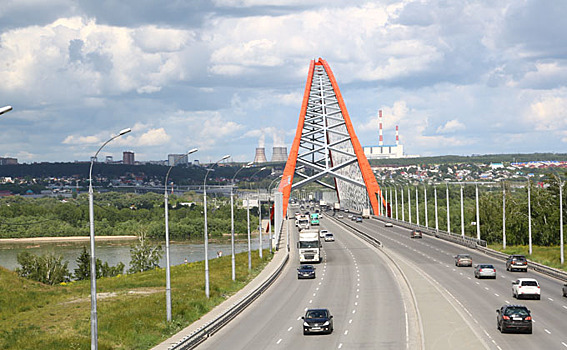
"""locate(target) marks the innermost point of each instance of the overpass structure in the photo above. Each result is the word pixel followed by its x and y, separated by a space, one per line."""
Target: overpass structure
pixel 326 146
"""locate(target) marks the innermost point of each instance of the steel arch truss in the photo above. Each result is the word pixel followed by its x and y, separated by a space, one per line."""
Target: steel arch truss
pixel 325 145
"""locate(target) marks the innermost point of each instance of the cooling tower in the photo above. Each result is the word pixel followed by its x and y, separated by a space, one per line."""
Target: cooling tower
pixel 279 154
pixel 260 155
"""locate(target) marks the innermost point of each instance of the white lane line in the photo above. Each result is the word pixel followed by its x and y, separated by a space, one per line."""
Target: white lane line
pixel 506 301
pixel 311 301
pixel 314 294
pixel 357 296
pixel 550 299
pixel 346 332
pixel 565 345
pixel 565 307
pixel 289 329
pixel 353 311
pixel 356 303
pixel 350 321
pixel 340 345
pixel 299 318
pixel 486 288
pixel 497 294
pixel 279 341
pixel 546 331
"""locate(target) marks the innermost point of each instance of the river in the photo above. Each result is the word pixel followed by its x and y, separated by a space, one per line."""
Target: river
pixel 114 252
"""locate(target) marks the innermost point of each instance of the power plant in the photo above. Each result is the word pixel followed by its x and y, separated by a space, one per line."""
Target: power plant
pixel 384 151
pixel 279 154
pixel 260 156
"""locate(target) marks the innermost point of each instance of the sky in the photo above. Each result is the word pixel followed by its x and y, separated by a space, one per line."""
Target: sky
pixel 225 76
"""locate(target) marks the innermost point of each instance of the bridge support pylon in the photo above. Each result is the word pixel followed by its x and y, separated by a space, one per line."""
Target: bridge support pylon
pixel 325 146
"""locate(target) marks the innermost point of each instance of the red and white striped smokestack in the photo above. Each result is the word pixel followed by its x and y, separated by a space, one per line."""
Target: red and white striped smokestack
pixel 381 140
pixel 397 137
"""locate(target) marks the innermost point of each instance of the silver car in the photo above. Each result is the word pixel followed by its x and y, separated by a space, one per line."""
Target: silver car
pixel 484 271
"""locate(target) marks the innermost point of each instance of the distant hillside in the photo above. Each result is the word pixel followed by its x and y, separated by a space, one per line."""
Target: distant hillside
pixel 483 159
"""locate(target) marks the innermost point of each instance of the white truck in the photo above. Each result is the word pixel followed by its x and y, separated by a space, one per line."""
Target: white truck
pixel 366 213
pixel 303 222
pixel 337 206
pixel 309 246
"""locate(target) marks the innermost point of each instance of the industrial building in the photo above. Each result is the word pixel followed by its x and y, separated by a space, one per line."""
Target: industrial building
pixel 382 151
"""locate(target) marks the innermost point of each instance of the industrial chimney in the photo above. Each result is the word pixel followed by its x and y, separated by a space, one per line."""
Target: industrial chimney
pixel 279 154
pixel 260 155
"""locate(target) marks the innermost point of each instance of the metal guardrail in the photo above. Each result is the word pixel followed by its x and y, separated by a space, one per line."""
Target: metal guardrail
pixel 200 335
pixel 373 241
pixel 479 245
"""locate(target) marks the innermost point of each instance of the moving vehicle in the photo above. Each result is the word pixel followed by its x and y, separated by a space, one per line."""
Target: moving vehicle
pixel 388 224
pixel 315 219
pixel 358 219
pixel 514 317
pixel 517 262
pixel 366 213
pixel 303 222
pixel 565 290
pixel 305 271
pixel 309 246
pixel 484 270
pixel 463 260
pixel 322 233
pixel 416 234
pixel 340 216
pixel 526 287
pixel 317 321
pixel 329 237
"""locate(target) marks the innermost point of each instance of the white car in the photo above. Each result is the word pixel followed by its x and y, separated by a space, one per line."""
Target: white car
pixel 388 224
pixel 322 233
pixel 340 216
pixel 526 287
pixel 329 237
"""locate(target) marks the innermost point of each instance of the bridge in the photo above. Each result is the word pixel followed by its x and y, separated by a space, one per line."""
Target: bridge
pixel 384 289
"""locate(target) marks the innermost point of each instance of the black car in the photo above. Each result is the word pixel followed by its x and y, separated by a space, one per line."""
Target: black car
pixel 317 321
pixel 565 290
pixel 516 262
pixel 514 318
pixel 306 271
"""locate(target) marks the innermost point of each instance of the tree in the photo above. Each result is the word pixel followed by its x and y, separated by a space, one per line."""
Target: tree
pixel 48 268
pixel 144 256
pixel 83 270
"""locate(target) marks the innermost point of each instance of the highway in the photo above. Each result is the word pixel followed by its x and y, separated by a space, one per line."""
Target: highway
pixel 371 309
pixel 478 300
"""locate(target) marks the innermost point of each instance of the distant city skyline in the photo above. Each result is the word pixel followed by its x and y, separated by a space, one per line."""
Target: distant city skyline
pixel 227 76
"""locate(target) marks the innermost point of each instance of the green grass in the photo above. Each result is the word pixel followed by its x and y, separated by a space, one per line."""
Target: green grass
pixel 549 256
pixel 37 316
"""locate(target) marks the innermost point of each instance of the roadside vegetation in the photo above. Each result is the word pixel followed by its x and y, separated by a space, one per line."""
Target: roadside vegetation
pixel 549 256
pixel 131 308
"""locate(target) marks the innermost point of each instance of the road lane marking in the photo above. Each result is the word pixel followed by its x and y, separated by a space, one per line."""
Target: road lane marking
pixel 310 301
pixel 546 331
pixel 565 345
pixel 340 345
pixel 279 341
pixel 346 332
pixel 496 294
pixel 565 307
pixel 290 328
pixel 353 311
pixel 550 299
pixel 350 321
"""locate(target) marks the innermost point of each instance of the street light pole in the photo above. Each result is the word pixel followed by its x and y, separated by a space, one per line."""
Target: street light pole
pixel 206 228
pixel 94 319
pixel 248 221
pixel 477 214
pixel 233 258
pixel 529 218
pixel 167 262
pixel 462 214
pixel 503 215
pixel 448 216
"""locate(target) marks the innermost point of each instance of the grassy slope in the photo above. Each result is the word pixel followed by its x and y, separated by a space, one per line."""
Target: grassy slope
pixel 34 316
pixel 549 256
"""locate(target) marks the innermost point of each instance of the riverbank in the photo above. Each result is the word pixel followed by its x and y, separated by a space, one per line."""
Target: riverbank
pixel 64 239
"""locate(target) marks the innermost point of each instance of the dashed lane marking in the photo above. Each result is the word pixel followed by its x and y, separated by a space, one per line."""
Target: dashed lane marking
pixel 289 329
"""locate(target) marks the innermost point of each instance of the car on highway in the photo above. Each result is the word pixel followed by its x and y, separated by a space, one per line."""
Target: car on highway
pixel 350 216
pixel 463 260
pixel 317 321
pixel 358 219
pixel 340 216
pixel 565 290
pixel 322 233
pixel 329 237
pixel 416 234
pixel 516 262
pixel 305 271
pixel 514 317
pixel 388 224
pixel 526 287
pixel 484 271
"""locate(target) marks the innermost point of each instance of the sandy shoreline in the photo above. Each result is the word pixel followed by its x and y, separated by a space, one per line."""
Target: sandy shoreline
pixel 64 239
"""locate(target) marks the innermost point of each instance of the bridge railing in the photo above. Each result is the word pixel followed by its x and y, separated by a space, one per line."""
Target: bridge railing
pixel 477 244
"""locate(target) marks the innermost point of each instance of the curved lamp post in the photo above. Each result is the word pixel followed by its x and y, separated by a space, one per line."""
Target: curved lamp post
pixel 248 221
pixel 5 109
pixel 167 271
pixel 232 220
pixel 269 211
pixel 206 232
pixel 94 324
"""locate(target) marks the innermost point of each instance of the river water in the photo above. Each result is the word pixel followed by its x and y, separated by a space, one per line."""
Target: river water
pixel 119 251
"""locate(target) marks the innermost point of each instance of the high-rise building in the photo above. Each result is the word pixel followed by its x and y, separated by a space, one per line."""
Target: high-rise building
pixel 8 161
pixel 177 159
pixel 128 157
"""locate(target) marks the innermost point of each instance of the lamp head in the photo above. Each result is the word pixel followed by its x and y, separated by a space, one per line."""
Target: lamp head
pixel 225 157
pixel 5 109
pixel 124 131
pixel 192 151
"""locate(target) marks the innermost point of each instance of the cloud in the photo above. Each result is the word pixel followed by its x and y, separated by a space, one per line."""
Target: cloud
pixel 549 113
pixel 451 126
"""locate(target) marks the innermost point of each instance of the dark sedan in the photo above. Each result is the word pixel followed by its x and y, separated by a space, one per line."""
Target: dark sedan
pixel 416 234
pixel 317 321
pixel 306 271
pixel 565 290
pixel 514 318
